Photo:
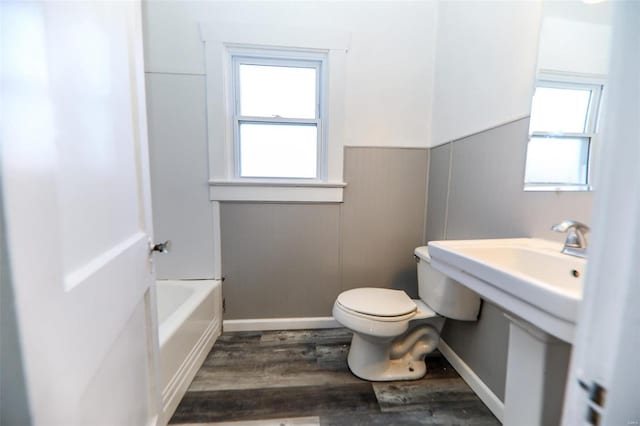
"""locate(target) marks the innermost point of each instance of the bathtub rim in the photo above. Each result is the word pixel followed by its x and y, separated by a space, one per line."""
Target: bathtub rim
pixel 201 289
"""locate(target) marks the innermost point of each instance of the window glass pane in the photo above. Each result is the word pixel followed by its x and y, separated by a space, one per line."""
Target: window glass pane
pixel 270 91
pixel 560 160
pixel 278 150
pixel 560 110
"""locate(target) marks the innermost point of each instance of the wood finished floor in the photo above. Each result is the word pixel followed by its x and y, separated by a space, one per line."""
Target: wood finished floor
pixel 301 378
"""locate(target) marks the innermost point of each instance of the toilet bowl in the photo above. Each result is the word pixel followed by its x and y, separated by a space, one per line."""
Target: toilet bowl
pixel 393 333
pixel 382 347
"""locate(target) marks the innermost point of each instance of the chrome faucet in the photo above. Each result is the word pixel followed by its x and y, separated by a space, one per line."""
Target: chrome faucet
pixel 576 242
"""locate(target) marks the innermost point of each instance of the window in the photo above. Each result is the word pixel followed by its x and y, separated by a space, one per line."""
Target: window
pixel 278 115
pixel 563 127
pixel 275 112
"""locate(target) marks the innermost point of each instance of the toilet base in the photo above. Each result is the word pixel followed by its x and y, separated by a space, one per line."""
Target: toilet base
pixel 394 371
pixel 387 359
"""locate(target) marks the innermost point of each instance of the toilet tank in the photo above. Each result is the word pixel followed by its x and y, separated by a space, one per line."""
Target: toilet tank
pixel 444 295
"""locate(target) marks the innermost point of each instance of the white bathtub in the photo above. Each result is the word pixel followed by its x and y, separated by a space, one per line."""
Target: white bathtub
pixel 190 318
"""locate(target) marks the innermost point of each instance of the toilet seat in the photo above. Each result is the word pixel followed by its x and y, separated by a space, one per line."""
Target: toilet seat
pixel 374 318
pixel 378 303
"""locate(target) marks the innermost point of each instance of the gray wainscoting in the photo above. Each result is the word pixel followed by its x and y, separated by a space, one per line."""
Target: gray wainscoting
pixel 179 174
pixel 486 182
pixel 481 177
pixel 438 192
pixel 280 260
pixel 292 260
pixel 383 217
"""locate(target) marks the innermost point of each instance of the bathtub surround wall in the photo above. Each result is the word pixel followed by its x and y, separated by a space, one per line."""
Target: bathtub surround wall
pixel 292 260
pixel 478 193
pixel 182 212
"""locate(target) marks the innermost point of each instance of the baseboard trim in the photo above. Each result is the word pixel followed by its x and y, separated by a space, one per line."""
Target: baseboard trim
pixel 475 383
pixel 265 324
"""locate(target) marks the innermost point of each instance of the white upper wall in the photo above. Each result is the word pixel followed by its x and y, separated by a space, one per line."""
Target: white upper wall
pixel 575 37
pixel 390 67
pixel 574 47
pixel 485 65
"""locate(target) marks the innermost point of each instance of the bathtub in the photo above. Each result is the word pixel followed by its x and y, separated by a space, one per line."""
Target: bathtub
pixel 190 320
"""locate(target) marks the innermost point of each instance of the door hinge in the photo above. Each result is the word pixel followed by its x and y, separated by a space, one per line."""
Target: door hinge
pixel 595 404
pixel 224 305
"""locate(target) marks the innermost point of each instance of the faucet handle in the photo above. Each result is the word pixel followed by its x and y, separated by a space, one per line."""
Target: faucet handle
pixel 575 234
pixel 566 225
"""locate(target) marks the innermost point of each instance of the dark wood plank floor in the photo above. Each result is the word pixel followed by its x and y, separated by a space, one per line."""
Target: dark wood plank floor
pixel 301 378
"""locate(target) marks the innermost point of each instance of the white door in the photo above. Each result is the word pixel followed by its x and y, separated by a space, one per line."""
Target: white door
pixel 603 383
pixel 77 206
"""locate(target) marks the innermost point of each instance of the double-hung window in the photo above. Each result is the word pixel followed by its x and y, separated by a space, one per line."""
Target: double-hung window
pixel 275 112
pixel 278 114
pixel 562 131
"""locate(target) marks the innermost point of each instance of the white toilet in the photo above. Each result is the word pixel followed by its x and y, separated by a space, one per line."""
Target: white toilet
pixel 383 348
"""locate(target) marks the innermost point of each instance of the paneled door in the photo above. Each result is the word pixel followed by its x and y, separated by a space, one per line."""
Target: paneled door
pixel 77 208
pixel 602 388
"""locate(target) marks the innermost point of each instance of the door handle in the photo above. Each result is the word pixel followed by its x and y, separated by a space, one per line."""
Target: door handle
pixel 161 247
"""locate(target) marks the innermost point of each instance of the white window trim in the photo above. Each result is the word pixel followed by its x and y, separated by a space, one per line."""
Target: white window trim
pixel 549 78
pixel 273 191
pixel 220 40
pixel 239 56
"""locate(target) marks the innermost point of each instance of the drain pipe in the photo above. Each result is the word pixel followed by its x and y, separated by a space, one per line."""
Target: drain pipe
pixel 420 341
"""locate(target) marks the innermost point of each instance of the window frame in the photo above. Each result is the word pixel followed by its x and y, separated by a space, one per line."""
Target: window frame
pixel 218 39
pixel 293 58
pixel 572 82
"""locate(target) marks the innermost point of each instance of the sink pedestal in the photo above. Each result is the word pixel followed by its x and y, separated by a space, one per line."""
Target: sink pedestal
pixel 537 368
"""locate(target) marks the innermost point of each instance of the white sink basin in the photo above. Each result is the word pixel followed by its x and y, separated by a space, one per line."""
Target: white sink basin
pixel 528 277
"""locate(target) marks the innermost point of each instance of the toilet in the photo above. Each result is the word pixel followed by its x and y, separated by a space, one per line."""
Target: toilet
pixel 384 347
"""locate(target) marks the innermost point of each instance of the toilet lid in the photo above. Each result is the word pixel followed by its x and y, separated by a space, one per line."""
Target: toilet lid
pixel 379 302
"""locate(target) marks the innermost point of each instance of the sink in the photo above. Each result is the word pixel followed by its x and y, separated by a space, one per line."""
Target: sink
pixel 528 277
pixel 540 289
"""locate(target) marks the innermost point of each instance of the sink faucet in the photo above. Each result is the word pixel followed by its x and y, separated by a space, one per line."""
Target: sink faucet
pixel 576 243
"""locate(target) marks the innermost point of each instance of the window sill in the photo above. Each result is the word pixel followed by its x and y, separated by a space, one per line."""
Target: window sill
pixel 556 188
pixel 276 191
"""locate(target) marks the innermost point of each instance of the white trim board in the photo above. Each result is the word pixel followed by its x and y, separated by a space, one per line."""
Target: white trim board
pixel 475 383
pixel 265 324
pixel 275 194
pixel 276 191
